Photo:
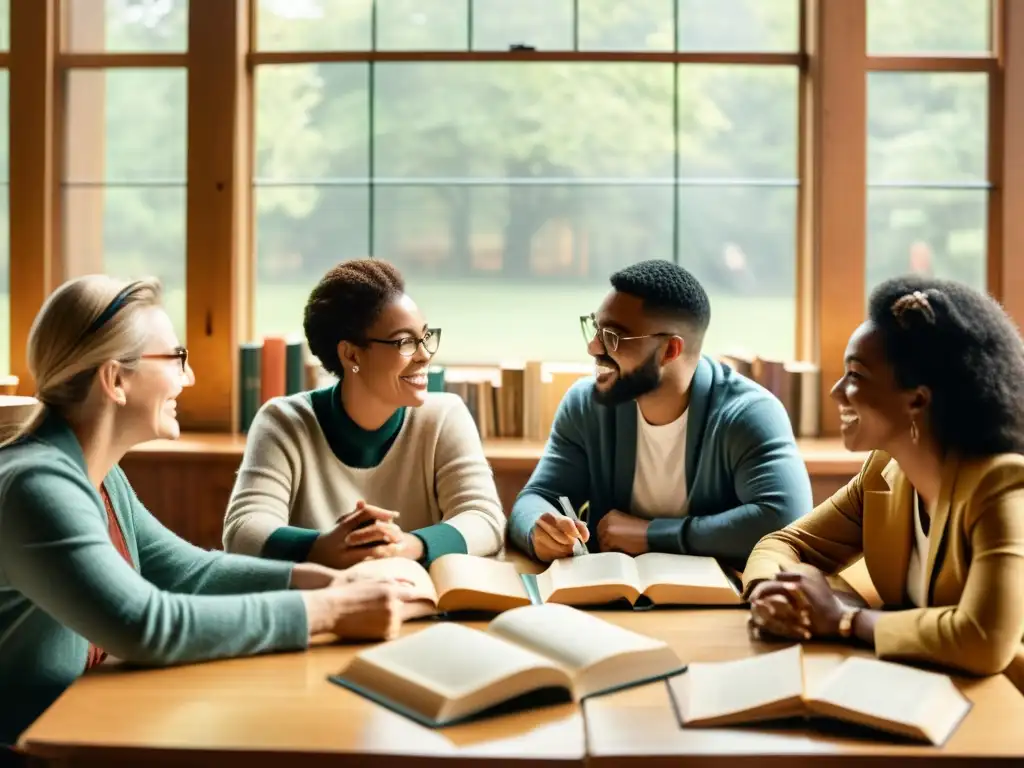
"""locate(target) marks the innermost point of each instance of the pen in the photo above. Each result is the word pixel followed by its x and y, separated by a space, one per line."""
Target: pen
pixel 578 547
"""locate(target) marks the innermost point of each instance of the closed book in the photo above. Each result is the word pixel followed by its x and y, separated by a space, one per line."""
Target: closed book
pixel 435 378
pixel 295 362
pixel 250 363
pixel 272 372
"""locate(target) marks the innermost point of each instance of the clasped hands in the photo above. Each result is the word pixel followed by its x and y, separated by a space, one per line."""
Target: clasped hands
pixel 367 533
pixel 797 605
pixel 555 534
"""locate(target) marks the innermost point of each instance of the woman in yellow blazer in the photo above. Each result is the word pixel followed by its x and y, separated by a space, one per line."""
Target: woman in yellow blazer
pixel 934 387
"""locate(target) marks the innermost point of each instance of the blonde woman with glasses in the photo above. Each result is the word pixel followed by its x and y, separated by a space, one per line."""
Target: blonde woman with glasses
pixel 373 466
pixel 85 569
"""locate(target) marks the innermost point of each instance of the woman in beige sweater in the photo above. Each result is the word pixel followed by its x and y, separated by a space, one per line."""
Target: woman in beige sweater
pixel 374 466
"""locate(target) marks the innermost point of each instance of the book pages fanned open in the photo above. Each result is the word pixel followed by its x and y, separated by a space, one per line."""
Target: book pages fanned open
pixel 448 672
pixel 908 702
pixel 458 582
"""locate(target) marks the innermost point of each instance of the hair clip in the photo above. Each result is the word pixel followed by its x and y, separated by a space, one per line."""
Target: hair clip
pixel 913 302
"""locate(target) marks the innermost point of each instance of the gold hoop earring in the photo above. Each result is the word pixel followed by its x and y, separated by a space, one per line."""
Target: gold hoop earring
pixel 914 434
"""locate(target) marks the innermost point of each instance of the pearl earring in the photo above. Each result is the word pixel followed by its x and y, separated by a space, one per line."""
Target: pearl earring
pixel 355 369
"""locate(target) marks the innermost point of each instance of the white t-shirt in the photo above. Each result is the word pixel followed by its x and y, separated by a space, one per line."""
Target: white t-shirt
pixel 659 478
pixel 917 590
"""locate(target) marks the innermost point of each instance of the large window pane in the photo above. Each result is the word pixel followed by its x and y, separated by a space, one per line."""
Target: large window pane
pixel 5 24
pixel 739 25
pixel 740 242
pixel 312 172
pixel 519 188
pixel 928 26
pixel 314 25
pixel 124 190
pixel 547 121
pixel 927 127
pixel 302 231
pixel 506 269
pixel 5 241
pixel 547 25
pixel 634 25
pixel 927 171
pixel 127 25
pixel 422 25
pixel 938 232
pixel 738 122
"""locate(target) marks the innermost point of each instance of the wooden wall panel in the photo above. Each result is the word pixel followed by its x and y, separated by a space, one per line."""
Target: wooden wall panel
pixel 189 492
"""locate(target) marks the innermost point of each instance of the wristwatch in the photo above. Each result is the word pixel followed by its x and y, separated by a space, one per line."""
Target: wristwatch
pixel 846 622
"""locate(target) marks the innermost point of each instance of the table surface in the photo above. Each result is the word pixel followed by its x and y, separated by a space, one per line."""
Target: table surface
pixel 261 709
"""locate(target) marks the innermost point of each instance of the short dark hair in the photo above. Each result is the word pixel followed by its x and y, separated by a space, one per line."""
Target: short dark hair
pixel 667 289
pixel 345 303
pixel 960 344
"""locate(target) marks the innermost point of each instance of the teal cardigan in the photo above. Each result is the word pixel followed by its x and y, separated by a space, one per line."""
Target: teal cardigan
pixel 63 584
pixel 744 474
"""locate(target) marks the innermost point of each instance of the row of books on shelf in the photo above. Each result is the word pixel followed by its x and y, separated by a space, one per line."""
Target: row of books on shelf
pixel 512 399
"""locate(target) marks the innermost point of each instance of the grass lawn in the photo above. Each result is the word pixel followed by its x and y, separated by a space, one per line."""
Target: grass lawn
pixel 486 322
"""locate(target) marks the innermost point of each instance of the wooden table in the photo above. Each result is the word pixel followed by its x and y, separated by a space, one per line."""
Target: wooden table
pixel 261 710
pixel 639 726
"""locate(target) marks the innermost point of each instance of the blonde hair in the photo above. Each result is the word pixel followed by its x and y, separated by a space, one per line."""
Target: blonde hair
pixel 81 325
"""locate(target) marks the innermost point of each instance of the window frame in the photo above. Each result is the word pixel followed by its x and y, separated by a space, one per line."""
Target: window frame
pixel 221 61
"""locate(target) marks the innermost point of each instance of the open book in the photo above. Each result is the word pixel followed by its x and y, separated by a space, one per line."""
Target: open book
pixel 467 583
pixel 913 703
pixel 450 672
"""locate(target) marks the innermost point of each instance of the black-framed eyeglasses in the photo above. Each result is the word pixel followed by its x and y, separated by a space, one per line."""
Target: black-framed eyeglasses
pixel 407 347
pixel 609 338
pixel 179 353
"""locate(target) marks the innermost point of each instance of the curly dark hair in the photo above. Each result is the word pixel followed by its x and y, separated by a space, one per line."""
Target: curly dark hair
pixel 667 289
pixel 345 303
pixel 962 345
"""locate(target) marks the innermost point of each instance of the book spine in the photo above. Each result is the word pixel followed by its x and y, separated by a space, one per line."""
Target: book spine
pixel 294 368
pixel 272 372
pixel 435 378
pixel 250 365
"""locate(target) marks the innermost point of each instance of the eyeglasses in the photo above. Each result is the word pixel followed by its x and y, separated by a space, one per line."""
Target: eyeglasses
pixel 407 347
pixel 179 353
pixel 609 338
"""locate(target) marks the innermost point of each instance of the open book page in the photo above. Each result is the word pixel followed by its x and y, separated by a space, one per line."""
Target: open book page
pixel 892 697
pixel 765 687
pixel 599 655
pixel 397 568
pixel 685 580
pixel 589 579
pixel 466 582
pixel 449 670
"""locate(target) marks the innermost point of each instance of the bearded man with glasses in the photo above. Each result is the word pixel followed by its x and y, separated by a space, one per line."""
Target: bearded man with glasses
pixel 669 450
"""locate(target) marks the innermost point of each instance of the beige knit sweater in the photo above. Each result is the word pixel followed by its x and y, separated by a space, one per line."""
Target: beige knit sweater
pixel 435 471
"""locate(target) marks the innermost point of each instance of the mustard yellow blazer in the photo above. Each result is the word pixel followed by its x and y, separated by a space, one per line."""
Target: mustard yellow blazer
pixel 974 570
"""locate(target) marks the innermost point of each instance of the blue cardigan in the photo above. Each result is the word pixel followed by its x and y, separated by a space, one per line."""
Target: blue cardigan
pixel 62 583
pixel 744 475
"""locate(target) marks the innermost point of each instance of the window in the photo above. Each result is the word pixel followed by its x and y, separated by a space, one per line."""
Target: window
pixel 929 26
pixel 127 25
pixel 125 143
pixel 124 184
pixel 5 240
pixel 517 187
pixel 927 175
